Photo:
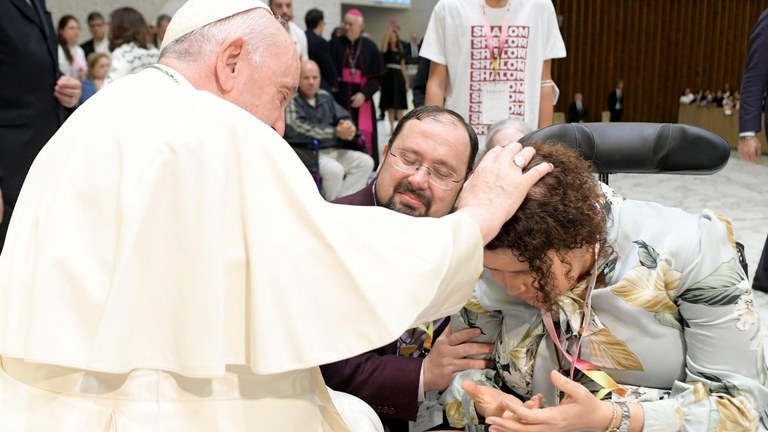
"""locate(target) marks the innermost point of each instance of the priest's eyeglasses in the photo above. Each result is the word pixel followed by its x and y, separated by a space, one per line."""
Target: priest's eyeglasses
pixel 438 175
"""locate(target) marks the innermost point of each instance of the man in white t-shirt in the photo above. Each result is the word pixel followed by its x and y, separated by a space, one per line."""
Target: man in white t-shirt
pixel 284 8
pixel 511 82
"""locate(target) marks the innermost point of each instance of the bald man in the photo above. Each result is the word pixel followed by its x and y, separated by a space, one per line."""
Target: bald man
pixel 313 114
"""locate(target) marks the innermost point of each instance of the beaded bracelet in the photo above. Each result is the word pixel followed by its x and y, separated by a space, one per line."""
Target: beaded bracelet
pixel 611 427
pixel 624 425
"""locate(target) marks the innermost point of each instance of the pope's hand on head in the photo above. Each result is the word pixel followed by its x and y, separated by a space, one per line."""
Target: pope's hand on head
pixel 498 186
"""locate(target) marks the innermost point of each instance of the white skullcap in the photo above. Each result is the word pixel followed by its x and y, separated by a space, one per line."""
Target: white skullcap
pixel 195 14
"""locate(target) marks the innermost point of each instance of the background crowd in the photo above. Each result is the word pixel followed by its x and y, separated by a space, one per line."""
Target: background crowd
pixel 421 170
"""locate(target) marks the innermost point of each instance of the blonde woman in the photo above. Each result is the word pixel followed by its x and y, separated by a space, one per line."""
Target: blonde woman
pixel 98 67
pixel 394 84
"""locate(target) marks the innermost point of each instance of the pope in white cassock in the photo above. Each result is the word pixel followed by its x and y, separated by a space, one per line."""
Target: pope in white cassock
pixel 171 266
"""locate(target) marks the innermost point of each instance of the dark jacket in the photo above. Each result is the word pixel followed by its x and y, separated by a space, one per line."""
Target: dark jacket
pixel 320 53
pixel 304 122
pixel 88 47
pixel 389 383
pixel 575 116
pixel 29 112
pixel 754 81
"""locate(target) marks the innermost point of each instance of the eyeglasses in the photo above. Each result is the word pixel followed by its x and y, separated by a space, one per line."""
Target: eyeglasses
pixel 439 176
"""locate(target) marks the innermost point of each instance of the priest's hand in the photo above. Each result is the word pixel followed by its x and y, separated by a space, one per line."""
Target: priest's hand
pixel 498 186
pixel 449 355
pixel 357 100
pixel 68 91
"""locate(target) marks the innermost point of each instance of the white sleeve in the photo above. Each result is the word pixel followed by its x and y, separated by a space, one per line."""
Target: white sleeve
pixel 433 46
pixel 554 45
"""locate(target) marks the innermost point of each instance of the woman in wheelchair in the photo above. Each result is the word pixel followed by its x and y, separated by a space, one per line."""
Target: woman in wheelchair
pixel 610 314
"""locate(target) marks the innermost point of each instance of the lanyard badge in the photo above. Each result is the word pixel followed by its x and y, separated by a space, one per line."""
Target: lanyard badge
pixel 496 51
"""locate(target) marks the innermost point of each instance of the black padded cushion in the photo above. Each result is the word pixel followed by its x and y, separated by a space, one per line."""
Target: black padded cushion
pixel 641 147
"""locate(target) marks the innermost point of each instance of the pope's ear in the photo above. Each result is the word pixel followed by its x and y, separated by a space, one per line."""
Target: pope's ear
pixel 229 63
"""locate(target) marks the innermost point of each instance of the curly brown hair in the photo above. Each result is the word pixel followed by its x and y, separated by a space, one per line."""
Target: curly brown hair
pixel 562 212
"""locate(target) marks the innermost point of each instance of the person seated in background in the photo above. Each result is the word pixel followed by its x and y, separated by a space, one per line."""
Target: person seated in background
pixel 648 301
pixel 687 97
pixel 503 132
pixel 98 67
pixel 705 97
pixel 718 99
pixel 314 115
pixel 129 42
pixel 394 379
pixel 577 110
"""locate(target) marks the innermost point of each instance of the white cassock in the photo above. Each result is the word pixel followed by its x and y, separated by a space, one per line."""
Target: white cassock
pixel 171 266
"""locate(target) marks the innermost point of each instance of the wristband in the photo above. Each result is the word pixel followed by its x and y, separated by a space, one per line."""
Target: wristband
pixel 611 427
pixel 624 425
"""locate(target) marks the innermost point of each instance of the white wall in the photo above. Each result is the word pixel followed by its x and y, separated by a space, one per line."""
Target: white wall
pixel 81 8
pixel 414 19
pixel 410 20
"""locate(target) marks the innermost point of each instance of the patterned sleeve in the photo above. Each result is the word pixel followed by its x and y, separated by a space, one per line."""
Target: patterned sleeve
pixel 473 315
pixel 725 386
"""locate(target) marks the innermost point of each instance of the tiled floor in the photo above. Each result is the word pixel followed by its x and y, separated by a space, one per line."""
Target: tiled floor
pixel 739 191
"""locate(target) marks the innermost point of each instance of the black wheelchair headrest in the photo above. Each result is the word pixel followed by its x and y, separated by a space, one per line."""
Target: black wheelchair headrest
pixel 641 147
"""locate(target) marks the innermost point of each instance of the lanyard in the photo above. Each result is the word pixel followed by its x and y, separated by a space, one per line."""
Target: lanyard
pixel 590 370
pixel 496 51
pixel 430 331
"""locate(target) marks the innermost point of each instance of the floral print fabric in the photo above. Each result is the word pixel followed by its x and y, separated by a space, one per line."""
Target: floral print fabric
pixel 675 317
